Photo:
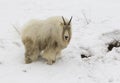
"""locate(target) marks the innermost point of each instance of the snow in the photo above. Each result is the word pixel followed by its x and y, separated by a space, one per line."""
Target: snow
pixel 96 23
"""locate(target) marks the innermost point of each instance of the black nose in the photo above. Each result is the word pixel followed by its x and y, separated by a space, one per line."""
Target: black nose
pixel 66 37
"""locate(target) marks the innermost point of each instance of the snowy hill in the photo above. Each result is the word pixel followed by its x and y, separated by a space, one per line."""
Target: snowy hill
pixel 96 24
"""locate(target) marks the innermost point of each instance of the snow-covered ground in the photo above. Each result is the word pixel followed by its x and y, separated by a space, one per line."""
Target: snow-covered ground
pixel 96 23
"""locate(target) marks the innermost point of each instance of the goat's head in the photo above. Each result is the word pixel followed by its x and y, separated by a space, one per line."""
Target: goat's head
pixel 66 30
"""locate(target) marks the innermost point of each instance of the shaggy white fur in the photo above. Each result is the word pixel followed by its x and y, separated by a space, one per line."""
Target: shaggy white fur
pixel 47 36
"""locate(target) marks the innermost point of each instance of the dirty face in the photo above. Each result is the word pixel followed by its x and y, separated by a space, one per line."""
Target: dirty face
pixel 66 33
pixel 67 30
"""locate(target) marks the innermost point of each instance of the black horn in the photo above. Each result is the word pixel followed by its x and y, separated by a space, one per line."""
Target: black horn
pixel 64 20
pixel 70 21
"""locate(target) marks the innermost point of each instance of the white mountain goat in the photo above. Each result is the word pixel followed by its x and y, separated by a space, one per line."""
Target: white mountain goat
pixel 48 37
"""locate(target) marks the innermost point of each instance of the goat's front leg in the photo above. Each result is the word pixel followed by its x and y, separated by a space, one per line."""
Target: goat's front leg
pixel 50 56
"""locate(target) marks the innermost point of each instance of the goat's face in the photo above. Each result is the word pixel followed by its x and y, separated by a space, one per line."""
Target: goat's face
pixel 66 33
pixel 66 30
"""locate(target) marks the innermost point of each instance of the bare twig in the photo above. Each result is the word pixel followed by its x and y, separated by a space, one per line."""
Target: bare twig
pixel 16 29
pixel 86 19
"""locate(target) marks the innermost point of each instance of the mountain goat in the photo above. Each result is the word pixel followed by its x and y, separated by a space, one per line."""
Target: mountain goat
pixel 48 37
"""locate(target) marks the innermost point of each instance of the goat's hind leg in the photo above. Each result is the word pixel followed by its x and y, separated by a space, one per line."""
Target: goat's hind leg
pixel 27 58
pixel 32 51
pixel 31 55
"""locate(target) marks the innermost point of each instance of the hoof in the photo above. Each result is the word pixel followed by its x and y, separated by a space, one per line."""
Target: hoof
pixel 50 62
pixel 53 61
pixel 28 60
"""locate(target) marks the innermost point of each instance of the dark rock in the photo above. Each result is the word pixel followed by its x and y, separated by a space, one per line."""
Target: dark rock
pixel 84 56
pixel 113 44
